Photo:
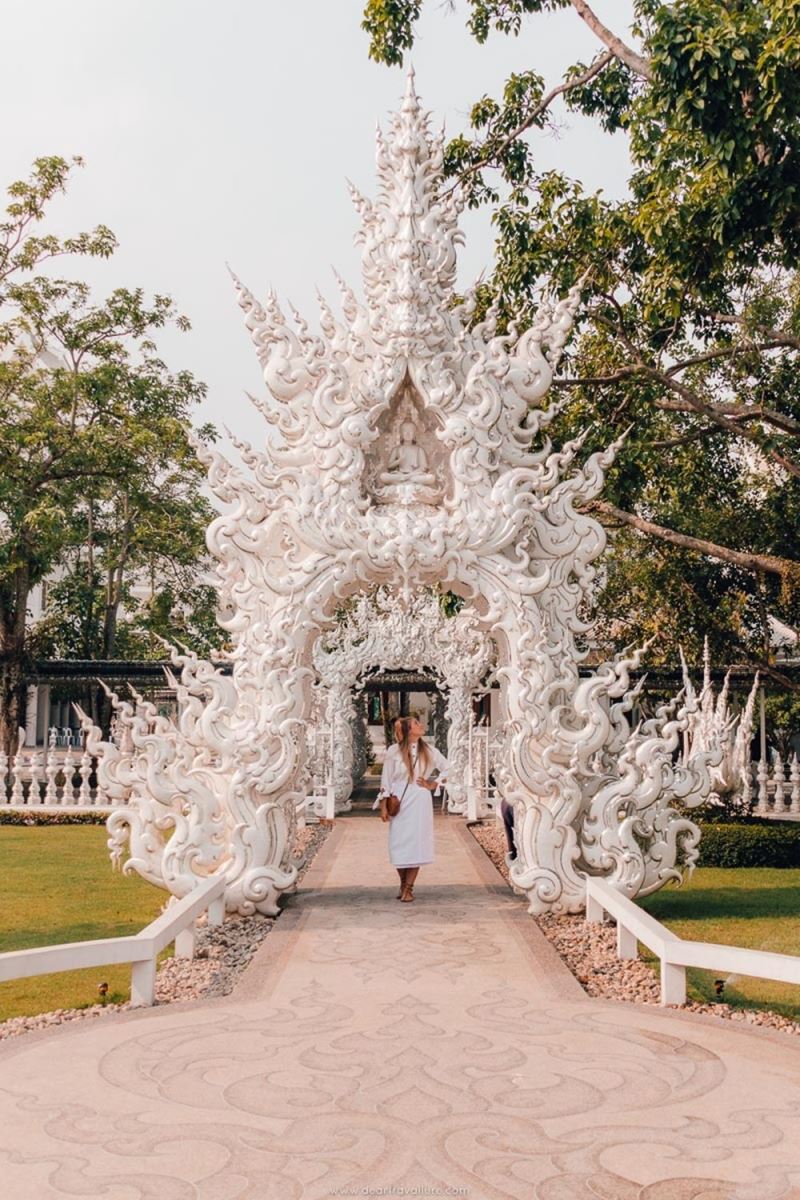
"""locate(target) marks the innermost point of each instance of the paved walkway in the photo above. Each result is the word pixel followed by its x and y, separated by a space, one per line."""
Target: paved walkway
pixel 375 1048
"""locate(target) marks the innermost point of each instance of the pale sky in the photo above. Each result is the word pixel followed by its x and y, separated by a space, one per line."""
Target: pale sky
pixel 222 133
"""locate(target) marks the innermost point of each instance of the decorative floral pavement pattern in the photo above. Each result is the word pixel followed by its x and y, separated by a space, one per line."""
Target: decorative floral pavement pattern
pixel 374 1048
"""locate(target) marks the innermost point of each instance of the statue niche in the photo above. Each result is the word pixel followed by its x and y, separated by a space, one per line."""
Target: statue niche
pixel 407 463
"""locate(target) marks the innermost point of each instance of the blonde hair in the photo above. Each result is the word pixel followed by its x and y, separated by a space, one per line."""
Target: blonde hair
pixel 402 727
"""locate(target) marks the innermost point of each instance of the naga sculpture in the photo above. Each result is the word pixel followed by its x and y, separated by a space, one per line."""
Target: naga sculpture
pixel 712 724
pixel 496 514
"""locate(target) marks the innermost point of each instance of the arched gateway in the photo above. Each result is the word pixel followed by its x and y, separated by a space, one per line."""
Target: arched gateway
pixel 405 448
pixel 408 632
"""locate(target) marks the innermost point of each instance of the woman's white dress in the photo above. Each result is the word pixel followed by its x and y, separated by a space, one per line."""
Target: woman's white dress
pixel 411 831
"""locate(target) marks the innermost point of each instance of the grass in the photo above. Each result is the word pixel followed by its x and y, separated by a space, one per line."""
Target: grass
pixel 57 885
pixel 756 907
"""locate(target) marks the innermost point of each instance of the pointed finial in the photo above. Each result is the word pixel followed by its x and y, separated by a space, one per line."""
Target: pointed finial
pixel 410 99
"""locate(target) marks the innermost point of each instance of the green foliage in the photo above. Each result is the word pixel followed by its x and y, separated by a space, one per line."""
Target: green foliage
pixel 451 603
pixel 753 907
pixel 782 710
pixel 390 25
pixel 57 887
pixel 16 816
pixel 99 476
pixel 750 845
pixel 690 334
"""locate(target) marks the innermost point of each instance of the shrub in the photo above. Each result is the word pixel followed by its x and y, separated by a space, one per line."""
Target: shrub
pixel 22 816
pixel 774 844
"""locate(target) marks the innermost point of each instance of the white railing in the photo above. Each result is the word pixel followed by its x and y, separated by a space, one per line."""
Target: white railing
pixel 176 925
pixel 57 778
pixel 778 787
pixel 483 748
pixel 634 926
pixel 321 801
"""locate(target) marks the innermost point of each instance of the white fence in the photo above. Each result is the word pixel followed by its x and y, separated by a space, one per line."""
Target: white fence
pixel 176 925
pixel 778 787
pixel 483 751
pixel 321 801
pixel 50 780
pixel 634 926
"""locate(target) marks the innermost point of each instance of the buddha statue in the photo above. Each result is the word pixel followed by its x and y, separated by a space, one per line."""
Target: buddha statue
pixel 408 463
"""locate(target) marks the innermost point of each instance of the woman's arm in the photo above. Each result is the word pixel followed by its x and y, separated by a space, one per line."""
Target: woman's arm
pixel 386 774
pixel 441 764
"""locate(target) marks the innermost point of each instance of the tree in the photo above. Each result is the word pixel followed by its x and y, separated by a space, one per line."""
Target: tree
pixel 691 330
pixel 94 442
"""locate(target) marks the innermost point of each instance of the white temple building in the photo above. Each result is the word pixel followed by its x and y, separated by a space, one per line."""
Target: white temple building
pixel 406 455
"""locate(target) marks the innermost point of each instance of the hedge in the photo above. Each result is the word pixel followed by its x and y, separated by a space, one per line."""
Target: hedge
pixel 767 845
pixel 23 816
pixel 755 844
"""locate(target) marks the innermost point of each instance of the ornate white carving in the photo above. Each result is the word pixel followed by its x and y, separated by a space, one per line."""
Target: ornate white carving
pixel 304 529
pixel 385 632
pixel 712 724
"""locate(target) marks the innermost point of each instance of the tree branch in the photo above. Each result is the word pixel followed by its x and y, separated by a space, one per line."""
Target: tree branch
pixel 777 336
pixel 727 415
pixel 598 380
pixel 577 81
pixel 639 65
pixel 695 436
pixel 710 411
pixel 769 563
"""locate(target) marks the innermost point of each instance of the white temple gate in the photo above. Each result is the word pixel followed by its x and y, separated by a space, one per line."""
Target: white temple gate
pixel 408 632
pixel 406 448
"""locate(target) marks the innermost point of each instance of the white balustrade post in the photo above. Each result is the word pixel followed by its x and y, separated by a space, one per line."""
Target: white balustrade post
pixel 50 772
pixel 34 769
pixel 68 767
pixel 794 777
pixel 3 777
pixel 778 804
pixel 85 770
pixel 143 983
pixel 673 983
pixel 216 911
pixel 473 795
pixel 17 767
pixel 185 941
pixel 627 943
pixel 762 775
pixel 595 913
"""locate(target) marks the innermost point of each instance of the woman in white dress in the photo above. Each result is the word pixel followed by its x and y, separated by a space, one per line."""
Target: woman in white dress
pixel 407 772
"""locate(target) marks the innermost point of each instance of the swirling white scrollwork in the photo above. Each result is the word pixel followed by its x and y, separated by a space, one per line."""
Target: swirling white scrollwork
pixel 386 632
pixel 302 531
pixel 713 724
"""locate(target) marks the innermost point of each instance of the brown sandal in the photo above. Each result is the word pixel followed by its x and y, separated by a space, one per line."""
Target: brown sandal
pixel 407 895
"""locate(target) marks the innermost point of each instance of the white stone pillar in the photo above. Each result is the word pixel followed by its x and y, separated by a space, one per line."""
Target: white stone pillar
pixel 341 714
pixel 31 714
pixel 459 715
pixel 43 715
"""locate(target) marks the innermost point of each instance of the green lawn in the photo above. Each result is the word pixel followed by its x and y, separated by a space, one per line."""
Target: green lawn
pixel 57 885
pixel 755 907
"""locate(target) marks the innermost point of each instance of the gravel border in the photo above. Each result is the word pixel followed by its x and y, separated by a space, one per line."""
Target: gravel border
pixel 221 954
pixel 590 952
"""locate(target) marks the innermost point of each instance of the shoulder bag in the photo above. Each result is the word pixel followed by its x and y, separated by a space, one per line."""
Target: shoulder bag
pixel 390 805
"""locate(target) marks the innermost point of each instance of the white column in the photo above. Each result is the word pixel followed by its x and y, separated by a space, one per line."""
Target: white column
pixel 43 715
pixel 31 714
